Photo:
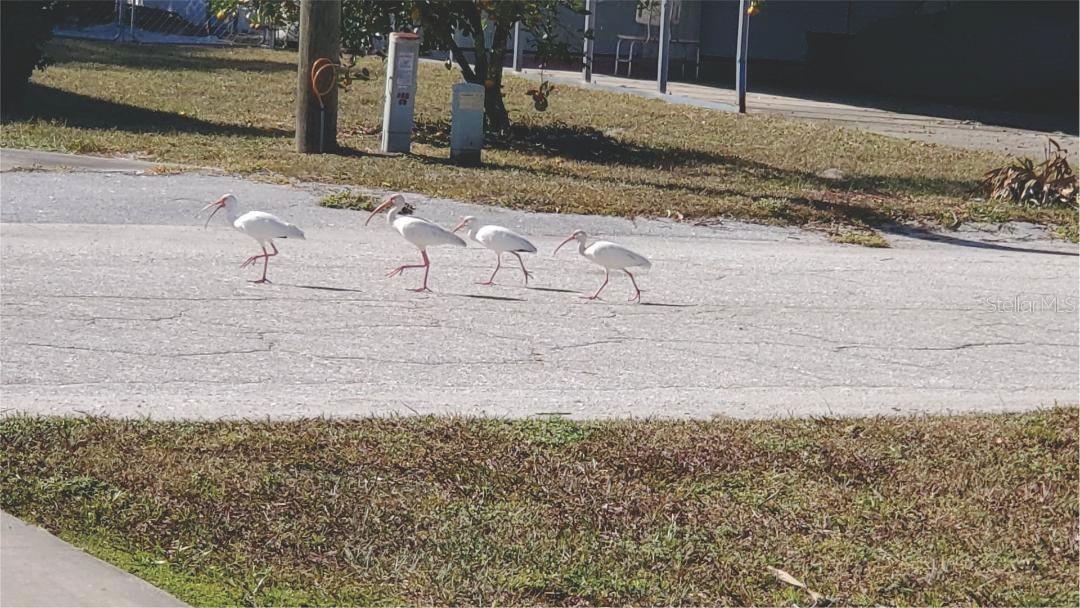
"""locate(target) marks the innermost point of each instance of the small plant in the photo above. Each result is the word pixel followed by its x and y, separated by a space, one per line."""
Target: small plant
pixel 540 94
pixel 346 72
pixel 1049 183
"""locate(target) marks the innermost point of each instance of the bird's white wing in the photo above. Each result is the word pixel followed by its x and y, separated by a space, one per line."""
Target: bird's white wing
pixel 423 233
pixel 610 255
pixel 498 238
pixel 264 226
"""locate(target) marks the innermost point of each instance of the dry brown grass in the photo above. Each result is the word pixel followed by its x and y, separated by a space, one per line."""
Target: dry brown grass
pixel 973 510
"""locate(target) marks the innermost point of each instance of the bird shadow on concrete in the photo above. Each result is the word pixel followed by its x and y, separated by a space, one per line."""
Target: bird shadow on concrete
pixel 477 296
pixel 669 304
pixel 553 289
pixel 325 288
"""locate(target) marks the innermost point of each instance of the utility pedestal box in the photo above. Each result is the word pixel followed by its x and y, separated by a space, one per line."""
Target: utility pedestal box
pixel 401 66
pixel 467 124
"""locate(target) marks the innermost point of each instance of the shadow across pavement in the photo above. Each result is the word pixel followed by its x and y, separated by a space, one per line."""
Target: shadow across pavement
pixel 938 237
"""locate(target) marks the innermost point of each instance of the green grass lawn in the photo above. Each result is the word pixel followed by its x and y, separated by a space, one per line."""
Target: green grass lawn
pixel 592 152
pixel 972 510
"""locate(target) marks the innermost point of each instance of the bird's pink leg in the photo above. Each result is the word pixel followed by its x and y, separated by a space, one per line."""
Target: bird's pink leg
pixel 637 292
pixel 400 269
pixel 427 268
pixel 498 265
pixel 251 260
pixel 596 296
pixel 266 262
pixel 523 271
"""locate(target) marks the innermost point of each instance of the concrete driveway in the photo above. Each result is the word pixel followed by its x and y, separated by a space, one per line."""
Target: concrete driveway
pixel 116 301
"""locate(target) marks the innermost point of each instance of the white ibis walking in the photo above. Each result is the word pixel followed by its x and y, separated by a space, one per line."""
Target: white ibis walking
pixel 611 257
pixel 500 240
pixel 263 227
pixel 421 233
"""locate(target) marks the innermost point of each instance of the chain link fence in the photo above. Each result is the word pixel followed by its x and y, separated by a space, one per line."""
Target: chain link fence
pixel 164 22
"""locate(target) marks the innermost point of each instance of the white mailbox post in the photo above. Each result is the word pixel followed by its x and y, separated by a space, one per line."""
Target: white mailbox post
pixel 467 124
pixel 401 66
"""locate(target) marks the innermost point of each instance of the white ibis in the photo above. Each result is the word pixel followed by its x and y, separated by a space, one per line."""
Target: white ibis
pixel 500 240
pixel 611 257
pixel 263 227
pixel 421 233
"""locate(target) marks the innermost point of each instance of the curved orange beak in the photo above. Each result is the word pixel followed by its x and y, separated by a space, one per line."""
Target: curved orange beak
pixel 217 205
pixel 379 209
pixel 458 227
pixel 568 239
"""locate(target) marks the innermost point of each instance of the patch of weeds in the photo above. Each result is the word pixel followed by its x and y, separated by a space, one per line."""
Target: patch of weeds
pixel 85 145
pixel 1069 232
pixel 990 211
pixel 164 170
pixel 551 431
pixel 777 210
pixel 869 238
pixel 347 199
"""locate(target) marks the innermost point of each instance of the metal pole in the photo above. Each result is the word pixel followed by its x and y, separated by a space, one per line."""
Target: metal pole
pixel 741 55
pixel 664 47
pixel 590 24
pixel 517 46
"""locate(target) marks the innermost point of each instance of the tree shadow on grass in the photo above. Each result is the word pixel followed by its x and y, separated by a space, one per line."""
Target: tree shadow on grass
pixel 165 57
pixel 590 145
pixel 87 112
pixel 585 144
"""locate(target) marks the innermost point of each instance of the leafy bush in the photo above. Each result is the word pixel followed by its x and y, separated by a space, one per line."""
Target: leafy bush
pixel 26 26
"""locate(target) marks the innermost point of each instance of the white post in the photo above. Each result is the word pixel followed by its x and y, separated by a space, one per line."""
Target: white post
pixel 664 52
pixel 401 65
pixel 467 123
pixel 590 24
pixel 517 46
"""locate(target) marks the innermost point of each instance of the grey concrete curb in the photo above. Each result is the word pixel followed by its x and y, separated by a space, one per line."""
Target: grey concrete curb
pixel 12 159
pixel 38 569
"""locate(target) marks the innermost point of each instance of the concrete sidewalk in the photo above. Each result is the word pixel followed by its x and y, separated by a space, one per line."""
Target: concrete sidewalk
pixel 38 569
pixel 910 124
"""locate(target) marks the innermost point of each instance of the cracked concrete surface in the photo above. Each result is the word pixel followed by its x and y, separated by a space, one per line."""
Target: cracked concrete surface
pixel 116 301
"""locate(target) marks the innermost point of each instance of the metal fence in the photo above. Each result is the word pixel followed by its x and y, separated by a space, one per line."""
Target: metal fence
pixel 164 22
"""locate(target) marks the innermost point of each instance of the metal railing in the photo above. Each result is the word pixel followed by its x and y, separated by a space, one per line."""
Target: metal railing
pixel 164 22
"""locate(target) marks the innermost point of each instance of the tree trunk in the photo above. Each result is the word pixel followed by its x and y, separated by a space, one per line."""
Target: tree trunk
pixel 494 108
pixel 320 37
pixel 489 68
